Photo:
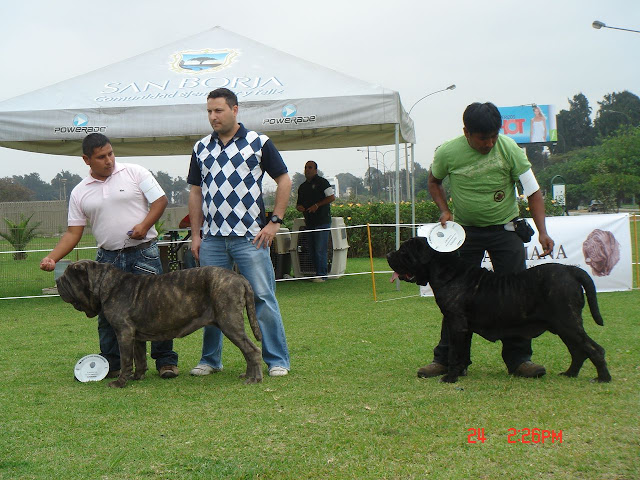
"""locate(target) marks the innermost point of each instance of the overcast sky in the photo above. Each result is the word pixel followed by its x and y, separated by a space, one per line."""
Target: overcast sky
pixel 510 53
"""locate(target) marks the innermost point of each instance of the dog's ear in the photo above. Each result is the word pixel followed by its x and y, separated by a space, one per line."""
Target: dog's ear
pixel 95 274
pixel 423 250
pixel 85 282
pixel 423 256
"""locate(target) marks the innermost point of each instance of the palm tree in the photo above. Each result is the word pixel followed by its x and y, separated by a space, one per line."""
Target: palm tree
pixel 19 235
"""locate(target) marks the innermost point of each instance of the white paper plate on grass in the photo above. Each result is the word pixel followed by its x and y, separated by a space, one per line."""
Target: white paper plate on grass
pixel 91 368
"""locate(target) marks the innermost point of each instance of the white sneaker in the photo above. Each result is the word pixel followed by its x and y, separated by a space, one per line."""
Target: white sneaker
pixel 204 369
pixel 278 372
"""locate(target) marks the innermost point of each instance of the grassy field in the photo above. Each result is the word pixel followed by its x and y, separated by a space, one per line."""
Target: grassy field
pixel 351 408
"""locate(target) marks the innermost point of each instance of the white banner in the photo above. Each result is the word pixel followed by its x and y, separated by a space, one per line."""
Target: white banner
pixel 599 244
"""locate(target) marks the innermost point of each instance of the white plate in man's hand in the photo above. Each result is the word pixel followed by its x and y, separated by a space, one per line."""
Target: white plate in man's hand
pixel 446 239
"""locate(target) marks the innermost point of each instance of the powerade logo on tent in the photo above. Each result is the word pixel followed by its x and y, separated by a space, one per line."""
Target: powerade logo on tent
pixel 80 124
pixel 289 111
pixel 80 120
pixel 207 60
pixel 289 117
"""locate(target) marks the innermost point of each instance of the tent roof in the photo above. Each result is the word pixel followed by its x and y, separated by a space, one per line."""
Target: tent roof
pixel 154 103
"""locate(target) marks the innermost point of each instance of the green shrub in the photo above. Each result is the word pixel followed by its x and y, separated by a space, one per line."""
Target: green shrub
pixel 383 239
pixel 551 207
pixel 20 234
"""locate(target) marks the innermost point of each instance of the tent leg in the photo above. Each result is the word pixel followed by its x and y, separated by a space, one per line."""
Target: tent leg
pixel 397 194
pixel 413 194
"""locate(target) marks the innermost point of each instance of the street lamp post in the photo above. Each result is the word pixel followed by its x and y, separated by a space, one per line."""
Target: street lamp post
pixel 450 87
pixel 411 190
pixel 384 165
pixel 598 25
pixel 620 113
pixel 368 165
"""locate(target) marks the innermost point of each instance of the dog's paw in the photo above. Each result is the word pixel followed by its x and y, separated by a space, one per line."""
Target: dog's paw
pixel 138 376
pixel 449 378
pixel 117 384
pixel 600 380
pixel 568 374
pixel 249 380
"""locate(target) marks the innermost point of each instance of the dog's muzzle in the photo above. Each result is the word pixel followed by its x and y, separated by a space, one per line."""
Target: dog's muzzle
pixel 402 276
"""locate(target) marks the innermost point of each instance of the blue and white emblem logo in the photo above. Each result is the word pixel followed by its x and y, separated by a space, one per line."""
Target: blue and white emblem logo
pixel 80 120
pixel 289 111
pixel 207 60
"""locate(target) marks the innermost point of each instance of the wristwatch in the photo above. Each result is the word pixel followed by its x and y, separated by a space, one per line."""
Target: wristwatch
pixel 276 219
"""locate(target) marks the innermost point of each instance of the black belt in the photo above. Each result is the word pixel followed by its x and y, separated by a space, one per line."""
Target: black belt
pixel 133 248
pixel 489 228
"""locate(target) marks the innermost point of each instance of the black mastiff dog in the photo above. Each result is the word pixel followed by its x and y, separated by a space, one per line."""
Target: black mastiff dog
pixel 474 299
pixel 162 307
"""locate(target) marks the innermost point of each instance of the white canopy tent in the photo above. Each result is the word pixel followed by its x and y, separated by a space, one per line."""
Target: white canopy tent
pixel 154 103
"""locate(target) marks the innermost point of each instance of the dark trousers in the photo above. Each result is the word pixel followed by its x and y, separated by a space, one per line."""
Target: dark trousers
pixel 318 244
pixel 144 262
pixel 507 254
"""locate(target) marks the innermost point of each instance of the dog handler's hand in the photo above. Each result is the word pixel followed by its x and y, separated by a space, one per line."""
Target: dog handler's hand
pixel 138 232
pixel 445 217
pixel 265 237
pixel 547 244
pixel 47 264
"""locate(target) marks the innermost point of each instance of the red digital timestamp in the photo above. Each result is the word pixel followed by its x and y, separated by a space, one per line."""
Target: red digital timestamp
pixel 522 435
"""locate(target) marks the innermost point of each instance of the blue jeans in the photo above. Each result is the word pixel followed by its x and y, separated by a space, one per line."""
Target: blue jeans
pixel 255 264
pixel 142 262
pixel 318 244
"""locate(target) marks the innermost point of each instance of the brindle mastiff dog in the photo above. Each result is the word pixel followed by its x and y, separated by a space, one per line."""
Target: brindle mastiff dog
pixel 474 299
pixel 162 307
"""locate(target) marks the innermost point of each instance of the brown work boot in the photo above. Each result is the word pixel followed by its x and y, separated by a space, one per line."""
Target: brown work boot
pixel 434 369
pixel 168 371
pixel 529 369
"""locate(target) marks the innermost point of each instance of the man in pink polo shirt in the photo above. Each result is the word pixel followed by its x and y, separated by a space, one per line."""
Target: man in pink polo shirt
pixel 122 202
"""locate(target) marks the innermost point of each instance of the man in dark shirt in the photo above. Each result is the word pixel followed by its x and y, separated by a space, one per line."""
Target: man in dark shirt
pixel 314 197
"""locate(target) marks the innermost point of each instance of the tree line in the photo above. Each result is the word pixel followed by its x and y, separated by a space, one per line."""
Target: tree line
pixel 30 187
pixel 599 159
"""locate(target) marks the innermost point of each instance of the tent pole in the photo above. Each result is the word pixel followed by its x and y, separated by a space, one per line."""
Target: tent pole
pixel 413 194
pixel 397 199
pixel 397 194
pixel 407 173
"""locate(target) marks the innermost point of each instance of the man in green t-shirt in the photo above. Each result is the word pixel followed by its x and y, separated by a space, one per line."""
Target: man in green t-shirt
pixel 483 168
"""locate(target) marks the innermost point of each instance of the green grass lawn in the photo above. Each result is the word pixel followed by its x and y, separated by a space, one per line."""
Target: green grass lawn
pixel 352 406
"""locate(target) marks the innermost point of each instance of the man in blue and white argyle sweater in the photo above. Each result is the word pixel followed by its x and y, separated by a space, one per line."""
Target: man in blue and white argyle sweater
pixel 225 175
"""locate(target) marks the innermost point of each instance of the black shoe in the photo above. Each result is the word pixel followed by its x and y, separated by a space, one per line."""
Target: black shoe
pixel 435 369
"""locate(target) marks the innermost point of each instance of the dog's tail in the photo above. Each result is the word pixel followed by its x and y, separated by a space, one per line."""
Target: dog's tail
pixel 590 290
pixel 250 302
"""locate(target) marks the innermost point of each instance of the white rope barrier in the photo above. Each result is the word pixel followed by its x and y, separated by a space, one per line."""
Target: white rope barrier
pixel 176 242
pixel 289 279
